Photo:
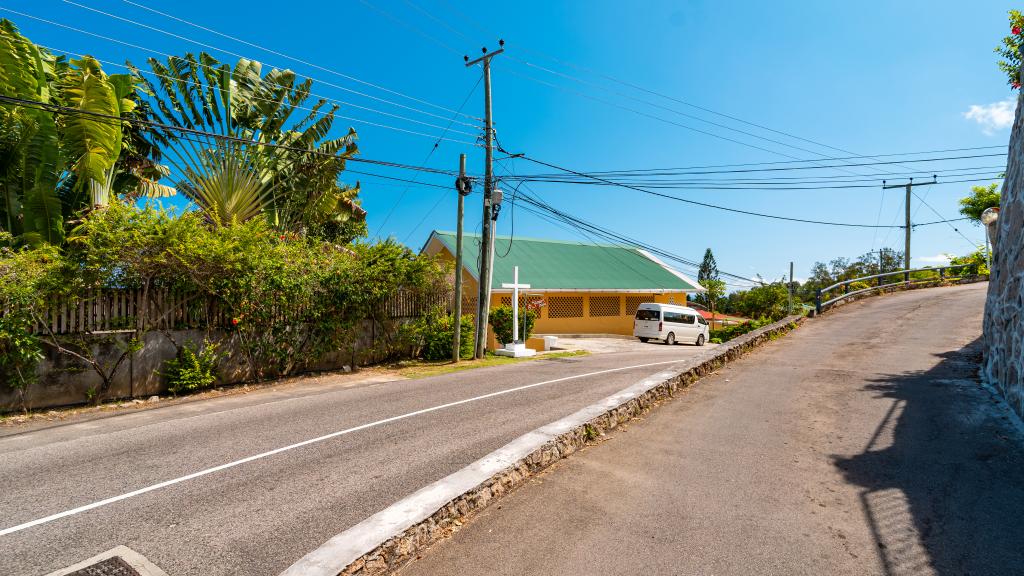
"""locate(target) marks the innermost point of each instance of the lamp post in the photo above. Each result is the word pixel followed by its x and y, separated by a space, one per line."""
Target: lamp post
pixel 989 218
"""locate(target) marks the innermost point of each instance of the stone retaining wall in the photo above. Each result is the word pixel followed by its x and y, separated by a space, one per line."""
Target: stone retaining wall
pixel 1004 308
pixel 400 549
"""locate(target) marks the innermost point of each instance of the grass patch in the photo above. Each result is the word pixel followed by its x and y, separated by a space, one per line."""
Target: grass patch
pixel 423 368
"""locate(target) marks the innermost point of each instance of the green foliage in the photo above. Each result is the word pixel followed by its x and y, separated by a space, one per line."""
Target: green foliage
pixel 1010 49
pixel 193 369
pixel 26 276
pixel 53 166
pixel 729 332
pixel 502 321
pixel 708 277
pixel 436 331
pixel 768 300
pixel 294 185
pixel 981 198
pixel 715 341
pixel 977 264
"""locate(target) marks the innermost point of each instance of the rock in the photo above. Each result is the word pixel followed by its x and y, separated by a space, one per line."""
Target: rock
pixel 154 399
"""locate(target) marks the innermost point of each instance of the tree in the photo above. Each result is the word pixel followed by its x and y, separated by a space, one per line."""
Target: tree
pixel 715 292
pixel 708 271
pixel 55 165
pixel 266 164
pixel 981 198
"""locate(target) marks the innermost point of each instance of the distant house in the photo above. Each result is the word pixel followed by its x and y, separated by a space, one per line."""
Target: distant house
pixel 582 288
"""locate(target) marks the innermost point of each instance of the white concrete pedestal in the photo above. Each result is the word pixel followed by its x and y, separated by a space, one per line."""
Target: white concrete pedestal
pixel 515 350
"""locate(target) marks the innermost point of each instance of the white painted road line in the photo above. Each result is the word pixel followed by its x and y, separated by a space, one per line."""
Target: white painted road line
pixel 269 453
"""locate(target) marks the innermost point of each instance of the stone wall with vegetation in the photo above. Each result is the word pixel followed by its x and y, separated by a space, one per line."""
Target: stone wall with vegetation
pixel 1004 309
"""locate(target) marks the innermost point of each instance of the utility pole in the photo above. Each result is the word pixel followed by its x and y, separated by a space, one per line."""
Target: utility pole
pixel 487 230
pixel 463 187
pixel 907 227
pixel 791 288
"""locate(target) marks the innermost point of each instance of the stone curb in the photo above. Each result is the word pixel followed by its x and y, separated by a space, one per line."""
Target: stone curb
pixel 389 539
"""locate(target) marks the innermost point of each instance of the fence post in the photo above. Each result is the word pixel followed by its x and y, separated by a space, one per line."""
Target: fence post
pixel 846 288
pixel 942 274
pixel 817 302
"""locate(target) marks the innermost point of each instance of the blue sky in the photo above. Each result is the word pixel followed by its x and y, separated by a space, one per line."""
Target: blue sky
pixel 868 77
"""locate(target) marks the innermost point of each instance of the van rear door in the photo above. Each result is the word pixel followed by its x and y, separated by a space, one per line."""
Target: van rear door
pixel 647 323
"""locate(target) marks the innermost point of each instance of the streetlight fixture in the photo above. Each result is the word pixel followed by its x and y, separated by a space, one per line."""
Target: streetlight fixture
pixel 989 218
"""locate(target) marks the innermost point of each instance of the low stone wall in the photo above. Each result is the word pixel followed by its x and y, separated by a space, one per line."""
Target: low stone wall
pixel 557 441
pixel 1004 307
pixel 63 380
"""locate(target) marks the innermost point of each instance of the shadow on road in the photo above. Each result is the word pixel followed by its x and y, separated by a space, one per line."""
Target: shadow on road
pixel 943 476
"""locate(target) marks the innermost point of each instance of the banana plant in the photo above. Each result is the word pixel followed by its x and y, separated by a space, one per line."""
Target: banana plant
pixel 54 165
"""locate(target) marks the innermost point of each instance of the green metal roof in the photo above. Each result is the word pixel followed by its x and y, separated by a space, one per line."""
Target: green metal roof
pixel 560 265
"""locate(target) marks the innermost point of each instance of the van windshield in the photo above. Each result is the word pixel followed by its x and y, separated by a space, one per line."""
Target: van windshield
pixel 648 315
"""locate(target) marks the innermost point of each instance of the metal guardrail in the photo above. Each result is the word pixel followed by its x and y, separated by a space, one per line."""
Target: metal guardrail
pixel 820 305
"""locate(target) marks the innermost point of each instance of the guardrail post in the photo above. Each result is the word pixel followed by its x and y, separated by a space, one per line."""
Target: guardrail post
pixel 846 288
pixel 942 274
pixel 817 302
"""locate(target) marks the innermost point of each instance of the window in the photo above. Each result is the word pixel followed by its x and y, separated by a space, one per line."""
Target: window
pixel 565 307
pixel 604 305
pixel 688 318
pixel 702 320
pixel 648 315
pixel 675 317
pixel 634 302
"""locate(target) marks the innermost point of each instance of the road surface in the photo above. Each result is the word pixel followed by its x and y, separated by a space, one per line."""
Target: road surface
pixel 125 480
pixel 859 444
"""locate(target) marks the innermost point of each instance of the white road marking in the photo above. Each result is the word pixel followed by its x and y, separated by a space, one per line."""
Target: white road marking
pixel 269 453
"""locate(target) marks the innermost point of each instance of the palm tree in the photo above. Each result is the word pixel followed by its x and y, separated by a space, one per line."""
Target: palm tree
pixel 263 162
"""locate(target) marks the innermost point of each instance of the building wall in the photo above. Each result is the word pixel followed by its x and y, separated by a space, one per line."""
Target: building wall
pixel 1004 308
pixel 566 312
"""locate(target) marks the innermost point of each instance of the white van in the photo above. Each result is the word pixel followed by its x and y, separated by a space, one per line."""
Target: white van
pixel 670 324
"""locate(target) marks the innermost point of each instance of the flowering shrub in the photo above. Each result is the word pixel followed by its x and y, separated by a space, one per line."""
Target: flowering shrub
pixel 1010 50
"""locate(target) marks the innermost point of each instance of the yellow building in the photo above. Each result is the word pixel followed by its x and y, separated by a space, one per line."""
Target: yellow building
pixel 582 288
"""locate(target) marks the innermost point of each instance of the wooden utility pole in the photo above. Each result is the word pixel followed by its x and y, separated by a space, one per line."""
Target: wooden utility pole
pixel 487 228
pixel 463 187
pixel 907 227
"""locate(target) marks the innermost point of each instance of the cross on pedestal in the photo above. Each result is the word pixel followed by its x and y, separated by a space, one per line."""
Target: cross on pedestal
pixel 515 286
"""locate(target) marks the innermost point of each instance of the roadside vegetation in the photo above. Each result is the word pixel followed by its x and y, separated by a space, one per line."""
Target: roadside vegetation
pixel 272 240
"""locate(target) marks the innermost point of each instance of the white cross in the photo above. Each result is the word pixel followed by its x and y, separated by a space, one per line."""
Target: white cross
pixel 515 286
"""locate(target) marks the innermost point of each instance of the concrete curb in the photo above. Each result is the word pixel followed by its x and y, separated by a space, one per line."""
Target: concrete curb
pixel 387 540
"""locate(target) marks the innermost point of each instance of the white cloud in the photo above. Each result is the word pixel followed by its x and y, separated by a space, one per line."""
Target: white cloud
pixel 937 259
pixel 994 116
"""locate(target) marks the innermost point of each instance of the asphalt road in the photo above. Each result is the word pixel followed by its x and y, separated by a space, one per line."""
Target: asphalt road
pixel 258 517
pixel 859 444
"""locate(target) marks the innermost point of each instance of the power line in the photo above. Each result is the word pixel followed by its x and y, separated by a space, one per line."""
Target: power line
pixel 152 51
pixel 191 131
pixel 766 186
pixel 424 163
pixel 705 204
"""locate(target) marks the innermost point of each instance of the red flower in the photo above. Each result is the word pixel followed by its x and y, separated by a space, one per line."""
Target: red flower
pixel 282 236
pixel 1016 85
pixel 234 321
pixel 1015 30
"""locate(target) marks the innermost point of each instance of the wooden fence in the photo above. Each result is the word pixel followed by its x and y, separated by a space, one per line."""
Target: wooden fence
pixel 108 311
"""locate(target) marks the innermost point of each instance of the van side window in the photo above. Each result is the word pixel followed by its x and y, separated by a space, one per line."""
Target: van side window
pixel 702 320
pixel 689 319
pixel 673 317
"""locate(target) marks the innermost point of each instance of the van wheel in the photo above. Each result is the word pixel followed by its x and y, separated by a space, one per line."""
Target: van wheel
pixel 700 340
pixel 644 340
pixel 670 339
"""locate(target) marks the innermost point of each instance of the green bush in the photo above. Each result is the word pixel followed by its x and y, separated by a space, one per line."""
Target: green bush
pixel 730 332
pixel 715 341
pixel 193 369
pixel 501 321
pixel 436 331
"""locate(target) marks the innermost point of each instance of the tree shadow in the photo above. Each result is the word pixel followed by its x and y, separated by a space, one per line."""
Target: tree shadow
pixel 943 475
